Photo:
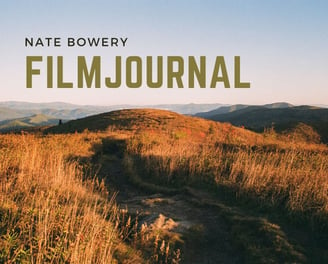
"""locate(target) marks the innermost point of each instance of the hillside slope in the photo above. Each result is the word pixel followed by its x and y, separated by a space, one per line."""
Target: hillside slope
pixel 171 169
pixel 282 119
pixel 27 122
pixel 129 119
pixel 213 190
pixel 158 121
pixel 232 108
pixel 9 113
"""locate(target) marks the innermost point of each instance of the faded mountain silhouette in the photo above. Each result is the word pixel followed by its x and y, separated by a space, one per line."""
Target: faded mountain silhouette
pixel 12 110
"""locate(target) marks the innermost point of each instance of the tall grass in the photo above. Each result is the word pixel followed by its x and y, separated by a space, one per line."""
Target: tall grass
pixel 274 168
pixel 52 212
pixel 47 213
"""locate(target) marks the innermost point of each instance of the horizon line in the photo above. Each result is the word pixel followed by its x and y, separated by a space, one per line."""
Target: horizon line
pixel 156 104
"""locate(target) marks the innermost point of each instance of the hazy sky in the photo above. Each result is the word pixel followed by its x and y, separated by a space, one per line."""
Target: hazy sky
pixel 283 45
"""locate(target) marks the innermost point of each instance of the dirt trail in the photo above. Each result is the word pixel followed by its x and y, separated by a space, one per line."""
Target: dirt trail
pixel 205 234
pixel 212 231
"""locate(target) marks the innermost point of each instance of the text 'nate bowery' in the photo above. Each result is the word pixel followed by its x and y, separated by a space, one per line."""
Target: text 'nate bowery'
pixel 77 42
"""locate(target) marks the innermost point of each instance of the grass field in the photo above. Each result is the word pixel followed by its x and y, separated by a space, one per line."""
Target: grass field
pixel 275 170
pixel 54 207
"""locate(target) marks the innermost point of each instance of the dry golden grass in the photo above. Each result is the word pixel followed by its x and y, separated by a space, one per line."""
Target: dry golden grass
pixel 53 209
pixel 52 212
pixel 276 168
pixel 48 214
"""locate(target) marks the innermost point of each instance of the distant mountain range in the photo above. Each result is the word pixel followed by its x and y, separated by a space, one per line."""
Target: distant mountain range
pixel 13 110
pixel 282 116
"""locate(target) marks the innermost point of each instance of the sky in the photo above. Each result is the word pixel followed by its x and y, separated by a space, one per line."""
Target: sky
pixel 282 46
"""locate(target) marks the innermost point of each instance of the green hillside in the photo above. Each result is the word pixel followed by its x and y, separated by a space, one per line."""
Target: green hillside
pixel 27 122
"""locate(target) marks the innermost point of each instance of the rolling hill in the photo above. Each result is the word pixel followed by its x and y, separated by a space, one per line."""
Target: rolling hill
pixel 131 119
pixel 27 122
pixel 257 118
pixel 13 111
pixel 161 122
pixel 282 116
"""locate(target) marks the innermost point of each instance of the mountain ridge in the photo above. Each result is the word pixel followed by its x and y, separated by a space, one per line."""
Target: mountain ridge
pixel 14 109
pixel 259 118
pixel 232 108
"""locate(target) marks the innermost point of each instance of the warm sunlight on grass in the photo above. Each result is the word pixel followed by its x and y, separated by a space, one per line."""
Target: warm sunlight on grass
pixel 276 168
pixel 48 214
pixel 54 208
